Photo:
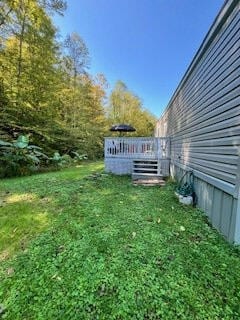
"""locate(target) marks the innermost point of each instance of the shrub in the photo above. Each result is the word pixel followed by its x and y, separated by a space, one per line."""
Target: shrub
pixel 79 157
pixel 60 161
pixel 19 158
pixel 66 160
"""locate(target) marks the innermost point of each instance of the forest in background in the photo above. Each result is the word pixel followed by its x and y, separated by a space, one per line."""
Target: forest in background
pixel 46 90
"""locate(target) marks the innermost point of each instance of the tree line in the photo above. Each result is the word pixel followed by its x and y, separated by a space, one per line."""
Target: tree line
pixel 46 91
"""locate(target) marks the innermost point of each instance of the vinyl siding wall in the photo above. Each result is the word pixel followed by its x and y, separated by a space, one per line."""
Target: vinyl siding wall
pixel 203 121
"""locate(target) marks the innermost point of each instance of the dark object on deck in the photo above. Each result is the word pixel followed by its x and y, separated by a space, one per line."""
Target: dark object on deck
pixel 122 128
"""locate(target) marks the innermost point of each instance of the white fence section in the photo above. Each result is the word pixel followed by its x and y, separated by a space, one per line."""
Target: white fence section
pixel 137 148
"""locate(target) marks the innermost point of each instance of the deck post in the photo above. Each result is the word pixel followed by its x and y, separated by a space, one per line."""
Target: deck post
pixel 159 149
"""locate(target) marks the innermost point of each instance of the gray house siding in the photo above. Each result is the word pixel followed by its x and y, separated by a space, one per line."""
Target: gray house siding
pixel 220 206
pixel 203 121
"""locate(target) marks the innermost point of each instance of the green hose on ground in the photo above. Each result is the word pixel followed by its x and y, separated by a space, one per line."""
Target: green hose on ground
pixel 186 188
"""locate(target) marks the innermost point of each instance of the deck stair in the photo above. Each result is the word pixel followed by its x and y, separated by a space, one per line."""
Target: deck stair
pixel 147 172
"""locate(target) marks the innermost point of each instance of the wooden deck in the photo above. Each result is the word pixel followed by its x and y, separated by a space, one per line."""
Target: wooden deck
pixel 121 152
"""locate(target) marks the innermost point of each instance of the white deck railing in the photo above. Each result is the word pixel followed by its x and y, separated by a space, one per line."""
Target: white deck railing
pixel 143 147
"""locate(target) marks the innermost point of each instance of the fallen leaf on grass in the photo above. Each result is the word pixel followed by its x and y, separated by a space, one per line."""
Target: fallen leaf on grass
pixel 10 271
pixel 102 290
pixel 55 276
pixel 2 309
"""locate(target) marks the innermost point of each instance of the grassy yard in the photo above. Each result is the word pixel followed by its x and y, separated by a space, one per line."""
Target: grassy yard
pixel 79 244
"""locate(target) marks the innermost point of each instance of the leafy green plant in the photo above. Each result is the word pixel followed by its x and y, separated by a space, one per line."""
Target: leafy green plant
pixel 61 161
pixel 79 157
pixel 66 160
pixel 19 158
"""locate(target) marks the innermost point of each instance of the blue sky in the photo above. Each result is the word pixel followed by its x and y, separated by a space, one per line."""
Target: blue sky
pixel 148 44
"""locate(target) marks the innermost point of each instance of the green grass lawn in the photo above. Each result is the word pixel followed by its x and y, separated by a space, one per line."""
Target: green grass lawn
pixel 80 245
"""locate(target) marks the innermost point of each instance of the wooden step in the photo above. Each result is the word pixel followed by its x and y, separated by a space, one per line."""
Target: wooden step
pixel 147 176
pixel 136 165
pixel 149 183
pixel 146 169
pixel 142 163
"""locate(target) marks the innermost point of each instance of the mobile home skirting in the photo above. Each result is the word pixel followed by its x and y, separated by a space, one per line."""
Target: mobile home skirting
pixel 203 121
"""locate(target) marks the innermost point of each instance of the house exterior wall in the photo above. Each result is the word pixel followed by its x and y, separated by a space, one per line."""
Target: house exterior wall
pixel 203 121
